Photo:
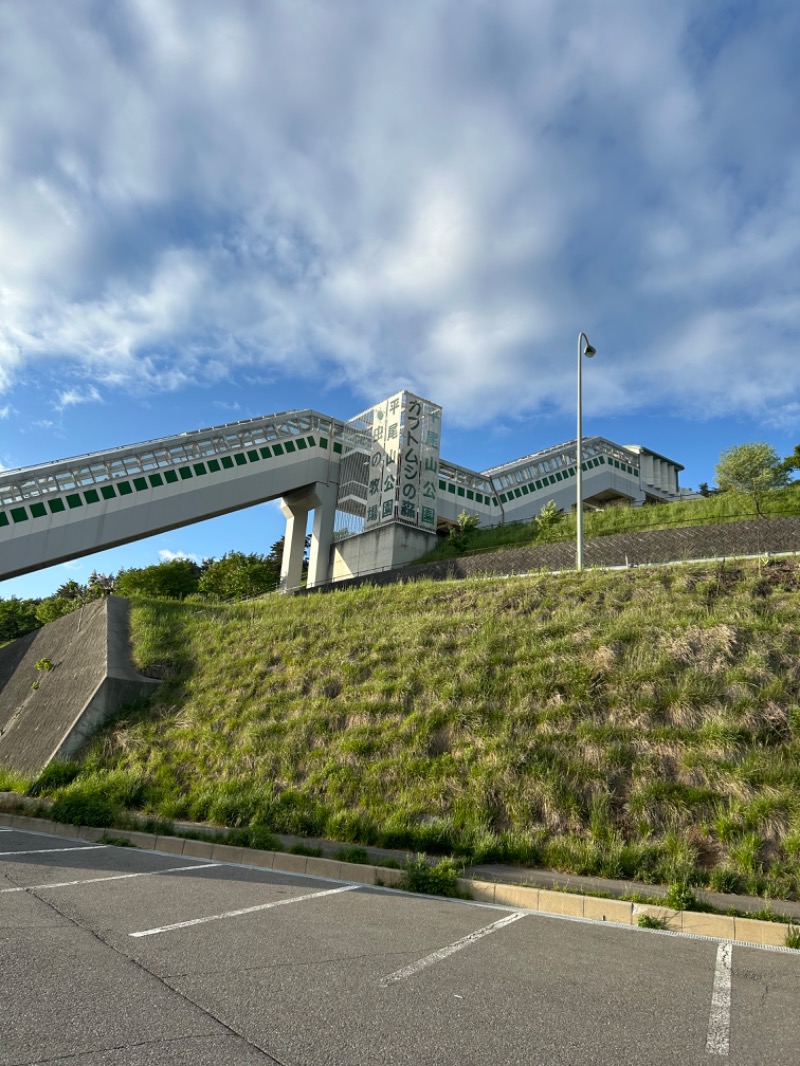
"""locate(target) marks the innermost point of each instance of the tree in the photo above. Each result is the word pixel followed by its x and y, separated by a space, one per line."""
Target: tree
pixel 239 576
pixel 463 533
pixel 71 590
pixel 173 579
pixel 276 553
pixel 99 585
pixel 547 522
pixel 753 470
pixel 17 617
pixel 792 462
pixel 57 606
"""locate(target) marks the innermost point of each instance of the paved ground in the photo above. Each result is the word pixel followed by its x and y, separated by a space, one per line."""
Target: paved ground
pixel 124 957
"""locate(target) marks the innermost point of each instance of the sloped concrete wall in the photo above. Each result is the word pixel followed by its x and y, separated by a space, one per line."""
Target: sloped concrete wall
pixel 761 536
pixel 92 677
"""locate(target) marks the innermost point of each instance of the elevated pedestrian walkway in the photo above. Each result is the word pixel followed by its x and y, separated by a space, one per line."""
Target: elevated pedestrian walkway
pixel 378 476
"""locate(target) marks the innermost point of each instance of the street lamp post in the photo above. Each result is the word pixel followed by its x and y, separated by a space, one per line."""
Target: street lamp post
pixel 588 351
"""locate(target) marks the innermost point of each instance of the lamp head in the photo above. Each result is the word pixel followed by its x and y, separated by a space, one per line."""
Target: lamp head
pixel 589 351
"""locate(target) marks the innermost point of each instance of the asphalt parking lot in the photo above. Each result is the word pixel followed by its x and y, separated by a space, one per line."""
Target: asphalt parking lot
pixel 118 956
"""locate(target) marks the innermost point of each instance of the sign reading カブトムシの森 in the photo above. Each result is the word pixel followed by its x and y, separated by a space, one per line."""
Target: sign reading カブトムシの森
pixel 404 462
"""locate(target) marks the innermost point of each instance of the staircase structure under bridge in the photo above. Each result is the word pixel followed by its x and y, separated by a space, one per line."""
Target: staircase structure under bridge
pixel 377 485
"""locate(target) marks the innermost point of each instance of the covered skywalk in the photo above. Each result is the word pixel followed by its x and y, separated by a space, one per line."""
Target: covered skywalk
pixel 62 510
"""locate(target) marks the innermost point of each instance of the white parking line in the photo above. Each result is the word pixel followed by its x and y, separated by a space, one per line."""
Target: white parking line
pixel 719 1022
pixel 48 851
pixel 112 877
pixel 443 953
pixel 245 910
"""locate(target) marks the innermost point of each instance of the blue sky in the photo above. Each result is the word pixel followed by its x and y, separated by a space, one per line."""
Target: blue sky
pixel 213 211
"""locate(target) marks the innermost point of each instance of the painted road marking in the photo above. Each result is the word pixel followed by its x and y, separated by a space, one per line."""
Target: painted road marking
pixel 451 949
pixel 112 877
pixel 49 851
pixel 719 1022
pixel 245 910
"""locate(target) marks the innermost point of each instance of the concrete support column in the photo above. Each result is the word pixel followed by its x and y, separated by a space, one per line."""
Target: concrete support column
pixel 322 497
pixel 294 544
pixel 322 534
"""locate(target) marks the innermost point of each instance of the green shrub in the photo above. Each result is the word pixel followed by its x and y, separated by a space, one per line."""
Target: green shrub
pixel 352 854
pixel 255 836
pixel 793 937
pixel 680 897
pixel 53 777
pixel 76 808
pixel 438 880
pixel 263 839
pixel 725 880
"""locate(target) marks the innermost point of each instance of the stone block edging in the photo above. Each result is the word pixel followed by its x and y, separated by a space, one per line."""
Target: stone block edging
pixel 525 897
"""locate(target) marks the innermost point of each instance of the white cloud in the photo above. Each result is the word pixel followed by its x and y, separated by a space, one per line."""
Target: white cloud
pixel 73 397
pixel 167 556
pixel 6 411
pixel 431 195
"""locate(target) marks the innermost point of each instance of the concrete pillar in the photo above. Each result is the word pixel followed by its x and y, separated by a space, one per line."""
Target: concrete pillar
pixel 294 544
pixel 295 508
pixel 322 534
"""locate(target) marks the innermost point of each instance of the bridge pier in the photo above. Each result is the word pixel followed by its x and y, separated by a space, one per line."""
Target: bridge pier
pixel 295 507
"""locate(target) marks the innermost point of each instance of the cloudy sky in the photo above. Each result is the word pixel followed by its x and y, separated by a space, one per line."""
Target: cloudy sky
pixel 210 211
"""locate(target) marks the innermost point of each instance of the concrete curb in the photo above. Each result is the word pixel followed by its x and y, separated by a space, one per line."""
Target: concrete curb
pixel 750 931
pixel 597 909
pixel 541 900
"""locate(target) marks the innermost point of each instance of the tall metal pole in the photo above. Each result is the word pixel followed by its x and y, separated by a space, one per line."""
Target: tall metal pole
pixel 588 351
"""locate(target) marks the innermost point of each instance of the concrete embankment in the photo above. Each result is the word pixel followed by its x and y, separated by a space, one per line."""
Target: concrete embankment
pixel 60 682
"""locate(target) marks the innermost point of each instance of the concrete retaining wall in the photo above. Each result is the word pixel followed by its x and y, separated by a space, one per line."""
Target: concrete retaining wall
pixel 757 537
pixel 48 714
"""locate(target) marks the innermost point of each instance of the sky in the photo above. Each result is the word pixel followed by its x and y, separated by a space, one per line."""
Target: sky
pixel 211 211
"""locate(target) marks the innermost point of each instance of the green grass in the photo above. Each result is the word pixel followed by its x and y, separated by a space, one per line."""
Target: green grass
pixel 116 842
pixel 712 510
pixel 648 921
pixel 640 724
pixel 353 853
pixel 55 775
pixel 13 782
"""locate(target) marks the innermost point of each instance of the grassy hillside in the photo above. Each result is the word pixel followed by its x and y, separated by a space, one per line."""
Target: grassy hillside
pixel 725 507
pixel 641 724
